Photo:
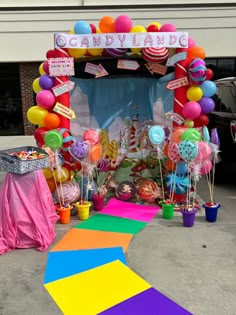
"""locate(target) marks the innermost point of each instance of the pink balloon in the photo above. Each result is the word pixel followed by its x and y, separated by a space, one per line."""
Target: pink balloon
pixel 45 99
pixel 191 42
pixel 206 167
pixel 168 28
pixel 191 110
pixel 204 152
pixel 123 24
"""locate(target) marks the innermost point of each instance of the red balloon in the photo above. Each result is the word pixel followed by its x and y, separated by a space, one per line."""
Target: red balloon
pixel 202 120
pixel 39 135
pixel 50 54
pixel 152 28
pixel 93 28
pixel 209 74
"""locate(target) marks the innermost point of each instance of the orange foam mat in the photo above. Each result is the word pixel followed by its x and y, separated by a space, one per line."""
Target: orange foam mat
pixel 90 239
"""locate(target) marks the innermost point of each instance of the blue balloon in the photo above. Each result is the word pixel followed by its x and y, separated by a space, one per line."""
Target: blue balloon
pixel 82 27
pixel 156 134
pixel 208 88
pixel 181 168
pixel 188 150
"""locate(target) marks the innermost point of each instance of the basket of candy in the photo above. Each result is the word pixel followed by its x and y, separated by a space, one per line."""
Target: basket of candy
pixel 23 160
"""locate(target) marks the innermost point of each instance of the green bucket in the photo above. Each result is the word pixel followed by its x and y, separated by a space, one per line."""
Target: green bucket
pixel 168 211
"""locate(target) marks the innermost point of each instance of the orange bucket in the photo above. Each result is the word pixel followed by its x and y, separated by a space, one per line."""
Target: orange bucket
pixel 64 214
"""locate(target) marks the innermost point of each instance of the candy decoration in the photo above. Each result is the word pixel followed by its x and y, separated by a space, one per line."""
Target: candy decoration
pixel 79 150
pixel 188 150
pixel 116 52
pixel 69 192
pixel 158 55
pixel 197 71
pixel 156 134
pixel 91 136
pixel 95 153
pixel 173 152
pixel 126 191
pixel 149 190
pixel 180 184
pixel 53 139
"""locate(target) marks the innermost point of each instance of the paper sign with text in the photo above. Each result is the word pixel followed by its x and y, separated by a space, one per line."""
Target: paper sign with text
pixel 174 59
pixel 175 117
pixel 64 111
pixel 63 88
pixel 127 64
pixel 61 67
pixel 175 84
pixel 156 68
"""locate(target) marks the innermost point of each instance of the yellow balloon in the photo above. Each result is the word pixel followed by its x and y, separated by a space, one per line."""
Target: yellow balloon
pixel 71 32
pixel 36 114
pixel 41 70
pixel 137 29
pixel 158 25
pixel 189 123
pixel 95 51
pixel 61 174
pixel 35 86
pixel 77 52
pixel 194 93
pixel 47 173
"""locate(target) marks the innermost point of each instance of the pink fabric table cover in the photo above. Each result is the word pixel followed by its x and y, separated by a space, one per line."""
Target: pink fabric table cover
pixel 27 213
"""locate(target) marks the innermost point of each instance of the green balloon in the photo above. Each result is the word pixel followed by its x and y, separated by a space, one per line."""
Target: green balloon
pixel 191 134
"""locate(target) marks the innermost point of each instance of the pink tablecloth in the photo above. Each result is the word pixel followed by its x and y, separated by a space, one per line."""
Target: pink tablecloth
pixel 27 213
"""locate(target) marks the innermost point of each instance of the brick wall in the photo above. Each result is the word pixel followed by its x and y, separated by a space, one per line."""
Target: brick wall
pixel 28 73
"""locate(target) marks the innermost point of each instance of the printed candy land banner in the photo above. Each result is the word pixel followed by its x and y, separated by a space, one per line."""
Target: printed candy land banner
pixel 122 109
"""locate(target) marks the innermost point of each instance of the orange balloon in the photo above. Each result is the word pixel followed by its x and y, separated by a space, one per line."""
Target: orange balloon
pixel 166 150
pixel 170 165
pixel 51 121
pixel 95 153
pixel 196 52
pixel 177 134
pixel 107 24
pixel 51 184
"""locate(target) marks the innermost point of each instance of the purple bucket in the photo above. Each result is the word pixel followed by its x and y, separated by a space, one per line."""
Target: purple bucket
pixel 188 218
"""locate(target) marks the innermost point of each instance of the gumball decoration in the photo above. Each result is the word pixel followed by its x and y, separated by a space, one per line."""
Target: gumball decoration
pixel 45 99
pixel 157 55
pixel 82 27
pixel 191 110
pixel 123 24
pixel 107 24
pixel 168 28
pixel 207 105
pixel 191 134
pixel 91 136
pixel 61 174
pixel 177 183
pixel 126 191
pixel 149 190
pixel 208 88
pixel 46 82
pixel 36 114
pixel 197 71
pixel 69 192
pixel 79 150
pixel 51 121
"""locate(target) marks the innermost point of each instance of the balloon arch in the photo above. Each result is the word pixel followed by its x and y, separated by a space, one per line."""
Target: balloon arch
pixel 160 46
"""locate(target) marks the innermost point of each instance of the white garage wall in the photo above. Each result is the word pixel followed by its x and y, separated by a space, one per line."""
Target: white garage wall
pixel 27 35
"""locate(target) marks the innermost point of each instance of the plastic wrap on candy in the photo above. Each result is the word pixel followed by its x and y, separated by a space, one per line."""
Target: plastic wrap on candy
pixel 149 190
pixel 87 188
pixel 126 191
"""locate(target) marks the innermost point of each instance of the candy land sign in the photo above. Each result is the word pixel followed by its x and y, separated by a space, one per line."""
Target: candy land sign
pixel 122 40
pixel 61 67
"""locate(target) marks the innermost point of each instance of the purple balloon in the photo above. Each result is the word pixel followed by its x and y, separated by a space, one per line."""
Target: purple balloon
pixel 46 82
pixel 207 105
pixel 215 137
